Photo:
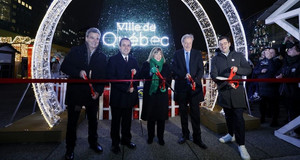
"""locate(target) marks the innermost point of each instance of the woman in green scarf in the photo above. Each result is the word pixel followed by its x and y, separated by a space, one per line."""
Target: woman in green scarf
pixel 155 96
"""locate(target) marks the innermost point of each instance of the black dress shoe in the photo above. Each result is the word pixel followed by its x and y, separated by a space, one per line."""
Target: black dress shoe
pixel 181 140
pixel 115 149
pixel 200 144
pixel 161 142
pixel 97 148
pixel 130 145
pixel 69 155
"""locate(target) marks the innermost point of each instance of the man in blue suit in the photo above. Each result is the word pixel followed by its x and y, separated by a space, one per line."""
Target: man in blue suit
pixel 188 64
pixel 123 96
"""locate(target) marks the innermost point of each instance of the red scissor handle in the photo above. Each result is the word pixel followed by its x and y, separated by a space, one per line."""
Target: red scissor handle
pixel 158 74
pixel 163 85
pixel 232 74
pixel 91 87
pixel 192 82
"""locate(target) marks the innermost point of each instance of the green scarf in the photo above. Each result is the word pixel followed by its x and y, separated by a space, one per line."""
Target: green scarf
pixel 155 79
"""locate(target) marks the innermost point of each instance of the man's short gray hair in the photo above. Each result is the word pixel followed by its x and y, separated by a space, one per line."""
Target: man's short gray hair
pixel 94 30
pixel 187 36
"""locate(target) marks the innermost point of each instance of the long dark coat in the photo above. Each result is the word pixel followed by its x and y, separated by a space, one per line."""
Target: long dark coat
pixel 74 62
pixel 155 107
pixel 266 88
pixel 119 69
pixel 196 71
pixel 220 66
pixel 290 70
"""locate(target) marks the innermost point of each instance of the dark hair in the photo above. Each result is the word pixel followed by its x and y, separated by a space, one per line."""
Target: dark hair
pixel 123 40
pixel 275 49
pixel 224 37
pixel 297 47
pixel 267 47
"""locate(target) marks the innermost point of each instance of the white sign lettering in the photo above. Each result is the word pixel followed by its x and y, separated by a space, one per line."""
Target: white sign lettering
pixel 140 34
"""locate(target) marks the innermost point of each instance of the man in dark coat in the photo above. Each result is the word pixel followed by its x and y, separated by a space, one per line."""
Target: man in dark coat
pixel 231 97
pixel 291 91
pixel 85 61
pixel 188 63
pixel 123 96
pixel 268 92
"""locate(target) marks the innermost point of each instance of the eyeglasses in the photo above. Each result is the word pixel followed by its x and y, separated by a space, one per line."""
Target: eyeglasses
pixel 289 49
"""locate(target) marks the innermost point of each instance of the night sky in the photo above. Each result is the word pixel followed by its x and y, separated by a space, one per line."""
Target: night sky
pixel 88 13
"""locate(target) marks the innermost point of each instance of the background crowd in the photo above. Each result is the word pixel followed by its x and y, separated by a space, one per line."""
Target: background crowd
pixel 277 62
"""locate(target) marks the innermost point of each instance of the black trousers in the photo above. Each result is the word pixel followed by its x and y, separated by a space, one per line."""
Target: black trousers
pixel 123 117
pixel 160 129
pixel 235 123
pixel 292 105
pixel 193 110
pixel 73 116
pixel 271 103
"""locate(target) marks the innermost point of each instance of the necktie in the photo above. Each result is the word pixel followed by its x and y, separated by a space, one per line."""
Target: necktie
pixel 126 60
pixel 187 62
pixel 89 58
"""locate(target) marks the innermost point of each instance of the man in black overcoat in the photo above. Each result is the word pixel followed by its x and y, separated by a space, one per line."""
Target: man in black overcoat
pixel 123 96
pixel 290 91
pixel 188 62
pixel 231 96
pixel 85 61
pixel 268 92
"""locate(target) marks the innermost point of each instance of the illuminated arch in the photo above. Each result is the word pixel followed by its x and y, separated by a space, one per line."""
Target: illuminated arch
pixel 237 30
pixel 44 92
pixel 40 66
pixel 236 26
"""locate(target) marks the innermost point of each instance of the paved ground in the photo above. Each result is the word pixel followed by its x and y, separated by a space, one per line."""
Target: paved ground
pixel 261 143
pixel 10 96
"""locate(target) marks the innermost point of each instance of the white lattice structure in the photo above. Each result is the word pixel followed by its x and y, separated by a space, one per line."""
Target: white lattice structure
pixel 211 41
pixel 236 26
pixel 281 15
pixel 40 67
pixel 44 92
pixel 238 34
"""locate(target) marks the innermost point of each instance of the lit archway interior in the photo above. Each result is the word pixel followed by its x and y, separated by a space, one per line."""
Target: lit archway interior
pixel 44 92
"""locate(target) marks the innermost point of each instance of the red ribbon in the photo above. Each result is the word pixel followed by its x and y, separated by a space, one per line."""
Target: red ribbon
pixel 91 87
pixel 163 85
pixel 232 74
pixel 192 82
pixel 45 80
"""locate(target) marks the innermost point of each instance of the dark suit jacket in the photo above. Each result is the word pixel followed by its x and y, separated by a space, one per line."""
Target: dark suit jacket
pixel 196 71
pixel 119 69
pixel 74 62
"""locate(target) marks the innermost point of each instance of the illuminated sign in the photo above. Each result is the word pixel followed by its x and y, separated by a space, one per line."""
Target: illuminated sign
pixel 17 39
pixel 140 34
